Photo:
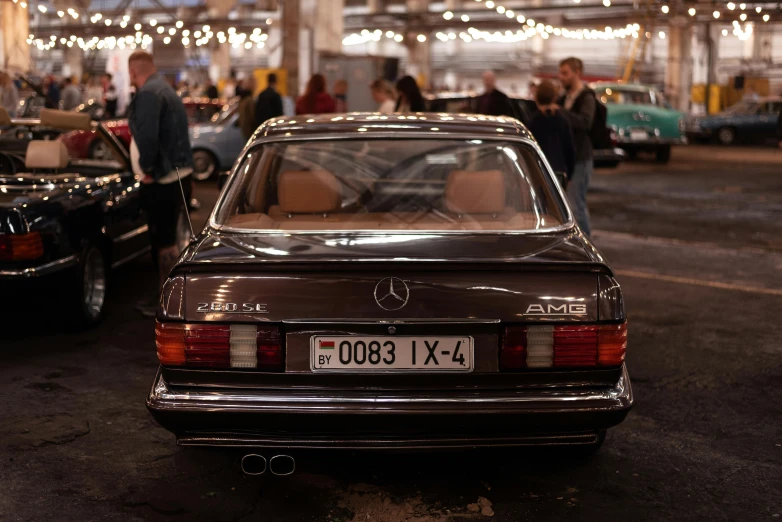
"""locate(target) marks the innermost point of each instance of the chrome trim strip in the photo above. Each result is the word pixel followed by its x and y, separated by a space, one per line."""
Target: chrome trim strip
pixel 212 222
pixel 161 398
pixel 131 257
pixel 54 266
pixel 133 233
pixel 416 321
pixel 245 440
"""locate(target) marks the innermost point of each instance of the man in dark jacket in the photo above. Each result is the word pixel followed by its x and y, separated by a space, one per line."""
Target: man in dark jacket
pixel 579 103
pixel 269 103
pixel 493 102
pixel 160 155
pixel 552 131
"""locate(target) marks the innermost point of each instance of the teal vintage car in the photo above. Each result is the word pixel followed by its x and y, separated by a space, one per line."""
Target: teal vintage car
pixel 642 119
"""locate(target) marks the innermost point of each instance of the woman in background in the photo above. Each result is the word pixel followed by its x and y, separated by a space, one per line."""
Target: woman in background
pixel 552 131
pixel 383 96
pixel 315 99
pixel 410 98
pixel 9 95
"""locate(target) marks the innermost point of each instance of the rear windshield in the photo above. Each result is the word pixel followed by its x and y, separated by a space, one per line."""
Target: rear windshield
pixel 385 184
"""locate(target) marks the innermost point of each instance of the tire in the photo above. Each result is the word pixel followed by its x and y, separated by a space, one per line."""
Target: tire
pixel 99 150
pixel 204 165
pixel 663 154
pixel 87 295
pixel 726 136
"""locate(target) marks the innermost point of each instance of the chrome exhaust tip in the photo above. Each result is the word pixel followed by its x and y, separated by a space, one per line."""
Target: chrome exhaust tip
pixel 253 464
pixel 282 465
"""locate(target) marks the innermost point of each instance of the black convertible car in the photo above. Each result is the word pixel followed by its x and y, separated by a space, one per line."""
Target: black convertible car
pixel 68 219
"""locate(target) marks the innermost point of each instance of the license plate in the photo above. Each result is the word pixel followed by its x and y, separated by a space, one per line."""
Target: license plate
pixel 638 135
pixel 390 354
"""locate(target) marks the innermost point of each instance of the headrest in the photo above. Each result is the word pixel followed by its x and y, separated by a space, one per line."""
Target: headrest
pixel 475 192
pixel 66 119
pixel 48 154
pixel 309 192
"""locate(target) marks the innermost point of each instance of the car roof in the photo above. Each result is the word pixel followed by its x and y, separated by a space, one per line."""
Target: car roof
pixel 369 123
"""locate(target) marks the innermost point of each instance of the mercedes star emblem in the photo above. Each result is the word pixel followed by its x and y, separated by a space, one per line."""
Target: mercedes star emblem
pixel 391 294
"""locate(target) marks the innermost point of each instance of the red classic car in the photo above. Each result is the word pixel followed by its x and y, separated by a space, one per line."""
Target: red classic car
pixel 85 144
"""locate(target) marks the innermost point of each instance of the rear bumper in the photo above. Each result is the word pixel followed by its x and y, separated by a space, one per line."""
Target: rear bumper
pixel 41 270
pixel 388 420
pixel 651 142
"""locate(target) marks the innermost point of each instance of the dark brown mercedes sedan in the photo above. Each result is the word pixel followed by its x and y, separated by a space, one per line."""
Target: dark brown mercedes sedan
pixel 391 282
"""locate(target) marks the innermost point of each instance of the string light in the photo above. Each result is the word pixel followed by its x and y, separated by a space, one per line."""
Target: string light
pixel 692 11
pixel 665 9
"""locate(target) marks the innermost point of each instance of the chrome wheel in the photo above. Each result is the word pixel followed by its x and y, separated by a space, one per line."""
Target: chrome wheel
pixel 99 151
pixel 93 283
pixel 726 135
pixel 204 165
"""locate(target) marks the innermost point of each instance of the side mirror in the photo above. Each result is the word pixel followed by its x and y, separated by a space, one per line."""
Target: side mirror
pixel 222 179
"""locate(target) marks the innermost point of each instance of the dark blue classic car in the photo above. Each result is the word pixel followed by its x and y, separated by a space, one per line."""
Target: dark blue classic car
pixel 68 219
pixel 749 121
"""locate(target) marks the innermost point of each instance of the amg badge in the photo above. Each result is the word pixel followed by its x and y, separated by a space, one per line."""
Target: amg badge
pixel 233 308
pixel 556 309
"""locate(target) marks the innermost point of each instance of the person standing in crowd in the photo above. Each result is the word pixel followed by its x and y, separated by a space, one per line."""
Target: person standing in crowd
pixel 106 82
pixel 111 99
pixel 341 96
pixel 315 99
pixel 71 96
pixel 579 104
pixel 269 102
pixel 94 91
pixel 246 108
pixel 52 93
pixel 532 91
pixel 381 93
pixel 410 97
pixel 160 155
pixel 9 95
pixel 552 131
pixel 493 102
pixel 211 90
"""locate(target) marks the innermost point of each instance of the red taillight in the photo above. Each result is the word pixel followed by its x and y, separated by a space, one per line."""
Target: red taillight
pixel 219 346
pixel 514 348
pixel 20 247
pixel 571 346
pixel 612 344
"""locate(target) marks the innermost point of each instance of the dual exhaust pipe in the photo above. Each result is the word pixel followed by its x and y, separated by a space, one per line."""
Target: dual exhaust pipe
pixel 279 465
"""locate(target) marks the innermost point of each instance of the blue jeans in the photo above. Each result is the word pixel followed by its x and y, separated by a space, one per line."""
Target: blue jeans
pixel 577 194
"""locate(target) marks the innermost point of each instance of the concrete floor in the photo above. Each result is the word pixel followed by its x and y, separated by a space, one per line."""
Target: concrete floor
pixel 698 249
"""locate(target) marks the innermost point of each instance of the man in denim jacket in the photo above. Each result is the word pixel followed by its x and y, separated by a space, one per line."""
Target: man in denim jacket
pixel 160 153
